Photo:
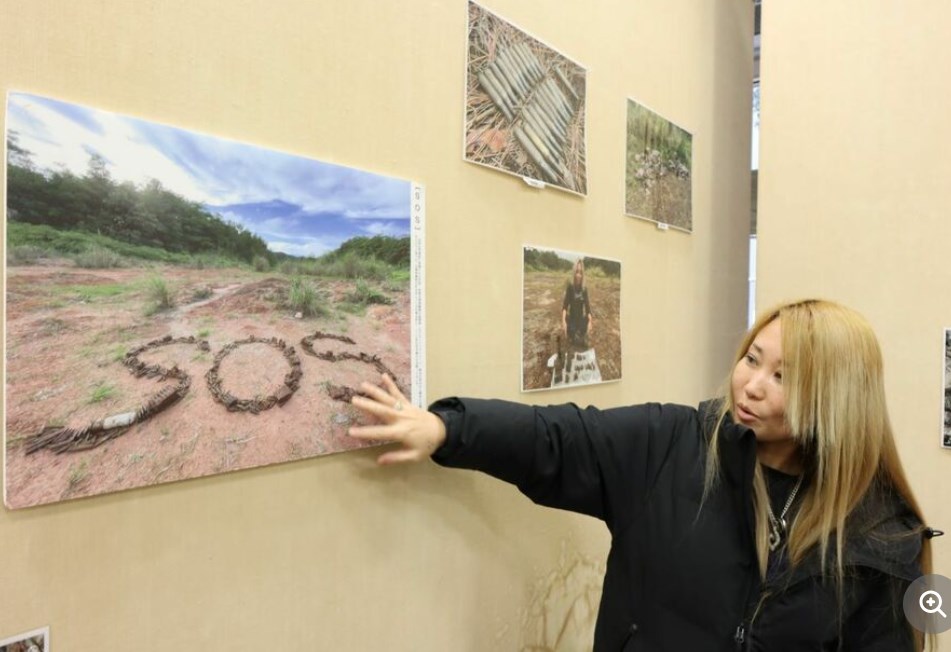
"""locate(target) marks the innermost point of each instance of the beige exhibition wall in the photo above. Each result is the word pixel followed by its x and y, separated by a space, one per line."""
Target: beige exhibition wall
pixel 333 552
pixel 854 196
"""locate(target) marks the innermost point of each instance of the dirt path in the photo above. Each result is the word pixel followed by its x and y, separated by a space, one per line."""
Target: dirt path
pixel 67 333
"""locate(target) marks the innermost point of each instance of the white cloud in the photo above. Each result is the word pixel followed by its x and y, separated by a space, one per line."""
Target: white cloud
pixel 57 141
pixel 311 247
pixel 234 218
pixel 278 225
pixel 202 168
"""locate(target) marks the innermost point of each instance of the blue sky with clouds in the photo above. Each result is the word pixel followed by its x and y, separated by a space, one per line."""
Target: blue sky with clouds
pixel 298 205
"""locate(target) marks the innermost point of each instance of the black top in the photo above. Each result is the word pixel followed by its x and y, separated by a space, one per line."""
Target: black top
pixel 680 577
pixel 779 485
pixel 578 308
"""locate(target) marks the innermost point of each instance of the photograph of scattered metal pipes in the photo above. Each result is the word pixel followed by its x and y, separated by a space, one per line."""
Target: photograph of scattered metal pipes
pixel 525 105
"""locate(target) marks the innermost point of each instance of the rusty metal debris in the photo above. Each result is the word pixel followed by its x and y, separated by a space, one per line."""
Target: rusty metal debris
pixel 536 105
pixel 63 439
pixel 308 342
pixel 343 392
pixel 258 404
pixel 60 440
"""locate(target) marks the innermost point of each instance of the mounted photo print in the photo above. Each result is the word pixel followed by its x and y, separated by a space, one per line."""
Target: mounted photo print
pixel 946 429
pixel 180 305
pixel 658 171
pixel 571 319
pixel 525 105
pixel 36 641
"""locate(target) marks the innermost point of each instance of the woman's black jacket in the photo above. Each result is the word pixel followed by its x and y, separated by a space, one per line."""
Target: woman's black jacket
pixel 680 578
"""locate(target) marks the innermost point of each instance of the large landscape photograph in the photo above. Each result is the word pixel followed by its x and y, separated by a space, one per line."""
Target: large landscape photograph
pixel 179 305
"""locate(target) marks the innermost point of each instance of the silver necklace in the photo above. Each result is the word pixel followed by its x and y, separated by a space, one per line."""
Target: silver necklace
pixel 777 526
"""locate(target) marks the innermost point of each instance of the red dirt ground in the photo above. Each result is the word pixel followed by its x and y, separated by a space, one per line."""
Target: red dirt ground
pixel 68 329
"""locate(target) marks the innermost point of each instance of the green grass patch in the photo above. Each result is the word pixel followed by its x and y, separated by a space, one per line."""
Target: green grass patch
pixel 26 255
pixel 365 294
pixel 66 243
pixel 200 294
pixel 212 261
pixel 353 266
pixel 304 267
pixel 352 308
pixel 348 265
pixel 102 392
pixel 77 474
pixel 304 298
pixel 98 257
pixel 90 293
pixel 161 296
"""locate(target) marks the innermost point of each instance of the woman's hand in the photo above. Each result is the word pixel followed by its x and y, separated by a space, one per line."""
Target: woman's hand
pixel 418 432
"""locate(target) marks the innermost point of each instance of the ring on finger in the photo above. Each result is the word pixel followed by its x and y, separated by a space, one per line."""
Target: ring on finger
pixel 398 406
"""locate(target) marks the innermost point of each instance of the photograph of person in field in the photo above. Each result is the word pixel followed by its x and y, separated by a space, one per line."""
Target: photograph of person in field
pixel 571 319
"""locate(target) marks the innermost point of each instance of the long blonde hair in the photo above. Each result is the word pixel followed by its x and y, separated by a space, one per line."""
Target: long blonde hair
pixel 835 411
pixel 578 266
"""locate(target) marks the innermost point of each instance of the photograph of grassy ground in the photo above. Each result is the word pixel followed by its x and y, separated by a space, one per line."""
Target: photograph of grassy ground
pixel 545 346
pixel 154 336
pixel 657 181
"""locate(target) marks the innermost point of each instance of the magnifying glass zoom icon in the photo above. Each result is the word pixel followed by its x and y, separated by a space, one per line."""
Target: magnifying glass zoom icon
pixel 932 604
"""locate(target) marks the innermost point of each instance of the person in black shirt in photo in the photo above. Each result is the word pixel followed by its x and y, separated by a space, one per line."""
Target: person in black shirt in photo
pixel 576 320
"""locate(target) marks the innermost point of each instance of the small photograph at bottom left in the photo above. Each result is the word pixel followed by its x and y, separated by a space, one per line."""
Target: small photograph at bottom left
pixel 35 641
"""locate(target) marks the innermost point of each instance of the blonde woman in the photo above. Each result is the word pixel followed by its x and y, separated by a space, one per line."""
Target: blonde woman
pixel 775 518
pixel 576 320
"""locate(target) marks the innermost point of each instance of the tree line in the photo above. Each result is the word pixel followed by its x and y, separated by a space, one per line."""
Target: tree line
pixel 547 260
pixel 394 251
pixel 647 131
pixel 96 203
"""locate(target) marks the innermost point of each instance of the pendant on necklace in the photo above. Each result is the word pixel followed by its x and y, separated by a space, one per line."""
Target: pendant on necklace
pixel 776 531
